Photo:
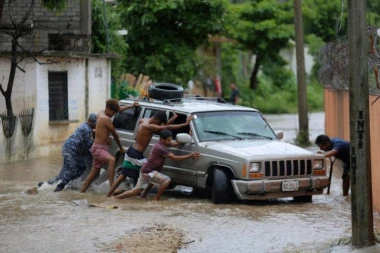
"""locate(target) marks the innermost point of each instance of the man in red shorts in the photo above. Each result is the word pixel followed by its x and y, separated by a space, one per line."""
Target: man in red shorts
pixel 99 148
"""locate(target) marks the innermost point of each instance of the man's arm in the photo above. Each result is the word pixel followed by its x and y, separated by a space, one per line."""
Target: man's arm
pixel 125 107
pixel 157 128
pixel 172 119
pixel 174 157
pixel 175 143
pixel 177 126
pixel 329 153
pixel 111 129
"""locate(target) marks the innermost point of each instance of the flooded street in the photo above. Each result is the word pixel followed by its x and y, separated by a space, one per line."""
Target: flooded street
pixel 64 221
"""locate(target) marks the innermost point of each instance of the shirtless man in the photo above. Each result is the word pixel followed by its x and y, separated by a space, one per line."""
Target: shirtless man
pixel 134 157
pixel 99 148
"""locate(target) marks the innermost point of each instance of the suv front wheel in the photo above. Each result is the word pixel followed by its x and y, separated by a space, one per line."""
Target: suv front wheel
pixel 220 188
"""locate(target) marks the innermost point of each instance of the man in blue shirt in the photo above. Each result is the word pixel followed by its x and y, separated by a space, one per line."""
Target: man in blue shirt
pixel 76 154
pixel 341 150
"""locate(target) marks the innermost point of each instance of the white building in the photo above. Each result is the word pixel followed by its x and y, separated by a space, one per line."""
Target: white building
pixel 57 91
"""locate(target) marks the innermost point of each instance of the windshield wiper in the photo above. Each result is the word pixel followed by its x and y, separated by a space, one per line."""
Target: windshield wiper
pixel 222 133
pixel 255 134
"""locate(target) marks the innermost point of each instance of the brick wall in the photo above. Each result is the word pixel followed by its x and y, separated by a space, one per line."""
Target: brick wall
pixel 74 21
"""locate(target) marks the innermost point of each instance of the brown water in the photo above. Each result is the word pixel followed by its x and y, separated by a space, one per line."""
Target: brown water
pixel 52 222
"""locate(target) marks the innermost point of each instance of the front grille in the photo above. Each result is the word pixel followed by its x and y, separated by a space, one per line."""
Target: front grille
pixel 285 168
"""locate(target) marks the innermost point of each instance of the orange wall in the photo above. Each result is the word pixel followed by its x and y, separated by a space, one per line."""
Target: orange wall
pixel 337 114
pixel 337 124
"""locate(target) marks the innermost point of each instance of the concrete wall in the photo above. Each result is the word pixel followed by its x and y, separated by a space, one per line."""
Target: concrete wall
pixel 75 19
pixel 289 54
pixel 337 123
pixel 88 89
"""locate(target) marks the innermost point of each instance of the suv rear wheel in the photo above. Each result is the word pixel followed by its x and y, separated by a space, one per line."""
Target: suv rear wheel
pixel 220 188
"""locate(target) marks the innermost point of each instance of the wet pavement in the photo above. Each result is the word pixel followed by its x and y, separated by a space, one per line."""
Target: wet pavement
pixel 63 222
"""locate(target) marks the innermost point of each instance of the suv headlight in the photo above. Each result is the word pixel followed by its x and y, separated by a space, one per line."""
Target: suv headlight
pixel 254 167
pixel 318 167
pixel 318 164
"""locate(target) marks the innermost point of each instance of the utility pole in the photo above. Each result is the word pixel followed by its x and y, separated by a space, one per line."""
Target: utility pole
pixel 360 172
pixel 303 121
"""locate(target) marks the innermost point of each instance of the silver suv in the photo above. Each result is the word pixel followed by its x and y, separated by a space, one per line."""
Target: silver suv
pixel 241 156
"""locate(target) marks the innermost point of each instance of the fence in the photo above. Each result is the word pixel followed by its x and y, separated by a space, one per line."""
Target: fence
pixel 337 124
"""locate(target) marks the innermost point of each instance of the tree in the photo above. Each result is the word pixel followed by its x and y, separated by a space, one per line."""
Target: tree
pixel 325 19
pixel 117 44
pixel 262 27
pixel 18 29
pixel 163 36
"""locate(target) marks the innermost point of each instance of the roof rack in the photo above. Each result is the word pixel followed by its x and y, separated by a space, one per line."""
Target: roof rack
pixel 197 97
pixel 171 100
pixel 158 101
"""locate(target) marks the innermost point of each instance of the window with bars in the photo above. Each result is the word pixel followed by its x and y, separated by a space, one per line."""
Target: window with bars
pixel 58 96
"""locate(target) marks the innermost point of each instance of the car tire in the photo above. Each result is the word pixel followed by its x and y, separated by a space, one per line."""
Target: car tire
pixel 220 187
pixel 304 199
pixel 165 91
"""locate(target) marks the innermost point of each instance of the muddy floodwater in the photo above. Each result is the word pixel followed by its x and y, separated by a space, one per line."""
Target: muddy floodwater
pixel 69 221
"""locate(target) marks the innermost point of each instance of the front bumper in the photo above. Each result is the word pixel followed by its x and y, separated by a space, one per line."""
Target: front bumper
pixel 268 189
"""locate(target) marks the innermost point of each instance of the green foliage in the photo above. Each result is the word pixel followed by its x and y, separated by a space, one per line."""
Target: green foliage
pixel 235 68
pixel 314 43
pixel 117 45
pixel 163 36
pixel 327 19
pixel 373 10
pixel 263 28
pixel 122 90
pixel 272 99
pixel 54 5
pixel 276 71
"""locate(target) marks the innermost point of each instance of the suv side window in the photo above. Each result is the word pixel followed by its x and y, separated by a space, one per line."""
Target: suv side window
pixel 179 120
pixel 127 119
pixel 148 113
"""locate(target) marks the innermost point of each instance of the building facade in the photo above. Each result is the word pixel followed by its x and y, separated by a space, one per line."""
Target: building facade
pixel 58 81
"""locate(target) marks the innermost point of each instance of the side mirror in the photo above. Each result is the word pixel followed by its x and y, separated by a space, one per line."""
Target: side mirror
pixel 184 138
pixel 280 135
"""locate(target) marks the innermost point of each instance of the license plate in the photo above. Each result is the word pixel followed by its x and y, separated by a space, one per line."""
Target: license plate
pixel 289 186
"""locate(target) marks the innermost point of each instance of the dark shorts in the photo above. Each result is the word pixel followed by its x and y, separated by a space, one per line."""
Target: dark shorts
pixel 133 161
pixel 135 157
pixel 134 153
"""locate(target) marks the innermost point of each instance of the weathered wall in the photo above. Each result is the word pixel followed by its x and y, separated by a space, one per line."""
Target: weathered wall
pixel 337 123
pixel 74 20
pixel 88 89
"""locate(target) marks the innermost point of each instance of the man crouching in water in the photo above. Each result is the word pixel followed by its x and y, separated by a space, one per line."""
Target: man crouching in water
pixel 150 172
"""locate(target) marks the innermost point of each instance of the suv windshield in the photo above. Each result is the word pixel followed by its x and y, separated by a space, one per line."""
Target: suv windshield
pixel 229 125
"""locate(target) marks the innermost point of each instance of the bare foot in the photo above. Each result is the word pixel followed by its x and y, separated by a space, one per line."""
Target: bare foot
pixel 117 192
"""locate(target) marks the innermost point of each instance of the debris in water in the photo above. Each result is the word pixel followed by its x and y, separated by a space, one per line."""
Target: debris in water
pixel 32 191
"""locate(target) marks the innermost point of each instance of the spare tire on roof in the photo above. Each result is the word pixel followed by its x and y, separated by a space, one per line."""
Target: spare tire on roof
pixel 165 91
